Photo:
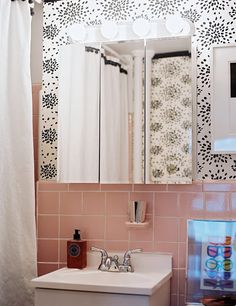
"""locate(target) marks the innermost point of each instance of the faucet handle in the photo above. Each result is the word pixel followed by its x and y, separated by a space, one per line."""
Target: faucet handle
pixel 102 251
pixel 127 255
pixel 127 259
pixel 128 252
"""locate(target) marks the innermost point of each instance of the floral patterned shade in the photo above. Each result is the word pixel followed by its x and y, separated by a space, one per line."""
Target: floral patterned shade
pixel 171 120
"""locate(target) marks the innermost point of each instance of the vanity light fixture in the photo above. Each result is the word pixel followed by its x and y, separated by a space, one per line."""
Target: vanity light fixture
pixel 141 27
pixel 109 29
pixel 175 24
pixel 77 32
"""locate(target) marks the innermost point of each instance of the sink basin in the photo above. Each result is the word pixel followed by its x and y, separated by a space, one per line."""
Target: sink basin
pixel 151 271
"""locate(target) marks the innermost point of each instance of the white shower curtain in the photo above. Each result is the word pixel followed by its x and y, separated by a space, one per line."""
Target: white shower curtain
pixel 17 207
pixel 78 114
pixel 114 155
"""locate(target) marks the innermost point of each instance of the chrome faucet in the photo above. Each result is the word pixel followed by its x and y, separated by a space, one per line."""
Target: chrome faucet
pixel 112 264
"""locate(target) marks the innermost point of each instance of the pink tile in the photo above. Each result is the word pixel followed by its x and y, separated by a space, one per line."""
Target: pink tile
pixel 36 171
pixel 116 228
pixel 94 203
pixel 116 245
pixel 63 250
pixel 70 203
pixel 62 265
pixel 182 300
pixel 117 203
pixel 182 281
pixel 169 247
pixel 84 187
pixel 233 205
pixel 52 186
pixel 175 281
pixel 150 187
pixel 48 202
pixel 35 96
pixel 166 229
pixel 219 186
pixel 44 268
pixel 91 227
pixel 96 243
pixel 36 150
pixel 139 234
pixel 217 205
pixel 35 125
pixel 144 196
pixel 116 187
pixel 47 250
pixel 174 300
pixel 68 224
pixel 47 226
pixel 182 230
pixel 195 186
pixel 166 204
pixel 146 246
pixel 191 205
pixel 182 256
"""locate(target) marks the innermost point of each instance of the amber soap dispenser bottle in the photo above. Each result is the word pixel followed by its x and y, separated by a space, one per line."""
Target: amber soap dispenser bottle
pixel 77 252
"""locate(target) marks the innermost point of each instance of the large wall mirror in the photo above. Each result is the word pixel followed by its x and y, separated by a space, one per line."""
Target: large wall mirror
pixel 125 111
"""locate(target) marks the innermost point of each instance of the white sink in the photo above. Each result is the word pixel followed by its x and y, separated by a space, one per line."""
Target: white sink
pixel 148 285
pixel 151 270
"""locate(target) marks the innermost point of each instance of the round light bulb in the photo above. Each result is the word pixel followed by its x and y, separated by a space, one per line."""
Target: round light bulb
pixel 186 28
pixel 141 27
pixel 77 32
pixel 109 29
pixel 174 24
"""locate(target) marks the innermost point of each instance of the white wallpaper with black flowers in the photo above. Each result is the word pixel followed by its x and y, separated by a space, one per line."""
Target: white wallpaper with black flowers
pixel 171 120
pixel 215 22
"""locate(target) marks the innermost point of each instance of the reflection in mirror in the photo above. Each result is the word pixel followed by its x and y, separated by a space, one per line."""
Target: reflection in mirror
pixel 78 113
pixel 121 142
pixel 168 111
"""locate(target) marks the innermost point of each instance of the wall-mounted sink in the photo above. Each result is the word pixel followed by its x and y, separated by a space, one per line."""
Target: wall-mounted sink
pixel 152 273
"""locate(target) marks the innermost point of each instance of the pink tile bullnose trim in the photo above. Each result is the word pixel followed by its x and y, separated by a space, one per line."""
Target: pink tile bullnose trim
pixel 51 186
pixel 195 186
pixel 219 186
pixel 150 187
pixel 116 187
pixel 84 187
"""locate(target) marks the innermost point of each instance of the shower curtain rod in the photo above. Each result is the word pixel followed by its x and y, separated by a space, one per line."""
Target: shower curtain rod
pixel 113 52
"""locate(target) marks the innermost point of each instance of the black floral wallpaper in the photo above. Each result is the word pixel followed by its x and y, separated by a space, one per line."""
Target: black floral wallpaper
pixel 215 23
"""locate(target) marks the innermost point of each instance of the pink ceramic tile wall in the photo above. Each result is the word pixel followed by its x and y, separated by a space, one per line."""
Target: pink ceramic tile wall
pixel 100 211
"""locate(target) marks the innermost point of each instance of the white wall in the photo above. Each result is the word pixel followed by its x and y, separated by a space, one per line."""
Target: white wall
pixel 37 44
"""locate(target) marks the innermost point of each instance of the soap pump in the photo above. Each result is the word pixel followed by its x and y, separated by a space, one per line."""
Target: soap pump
pixel 77 252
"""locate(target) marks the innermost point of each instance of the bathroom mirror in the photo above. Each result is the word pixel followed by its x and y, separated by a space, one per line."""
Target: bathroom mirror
pixel 127 112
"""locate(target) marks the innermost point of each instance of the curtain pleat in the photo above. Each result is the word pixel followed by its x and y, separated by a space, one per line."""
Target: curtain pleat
pixel 114 156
